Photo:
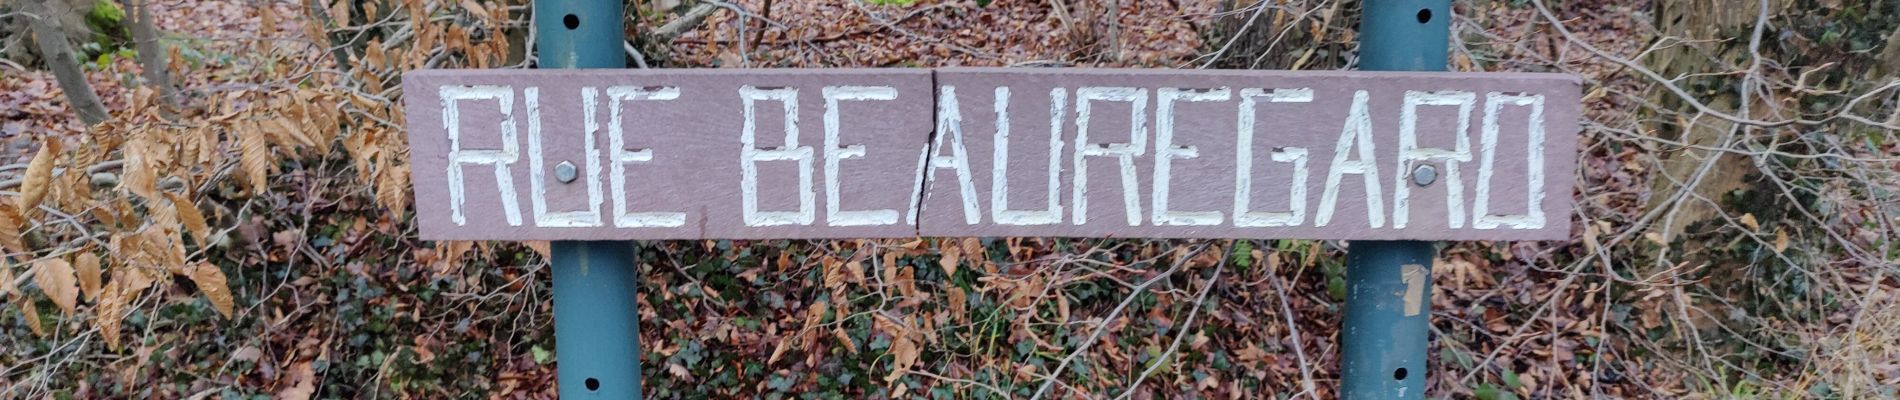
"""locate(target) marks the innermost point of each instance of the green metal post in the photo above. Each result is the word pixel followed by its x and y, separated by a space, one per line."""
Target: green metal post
pixel 596 302
pixel 1388 284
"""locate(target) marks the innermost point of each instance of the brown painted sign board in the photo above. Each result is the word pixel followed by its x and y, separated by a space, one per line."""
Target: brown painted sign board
pixel 869 153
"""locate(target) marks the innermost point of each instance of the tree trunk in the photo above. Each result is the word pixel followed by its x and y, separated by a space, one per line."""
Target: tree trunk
pixel 59 57
pixel 1711 26
pixel 151 54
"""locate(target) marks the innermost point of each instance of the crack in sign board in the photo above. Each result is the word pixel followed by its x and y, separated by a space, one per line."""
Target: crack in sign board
pixel 868 153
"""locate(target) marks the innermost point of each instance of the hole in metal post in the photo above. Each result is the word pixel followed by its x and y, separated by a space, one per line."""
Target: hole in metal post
pixel 1397 375
pixel 1424 15
pixel 593 384
pixel 572 22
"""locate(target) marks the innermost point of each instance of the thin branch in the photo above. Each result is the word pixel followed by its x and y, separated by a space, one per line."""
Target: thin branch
pixel 1109 320
pixel 1186 326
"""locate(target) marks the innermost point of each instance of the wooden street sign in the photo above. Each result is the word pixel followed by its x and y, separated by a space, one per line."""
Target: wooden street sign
pixel 666 154
pixel 866 153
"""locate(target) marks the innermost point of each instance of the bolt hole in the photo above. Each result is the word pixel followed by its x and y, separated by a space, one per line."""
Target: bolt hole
pixel 1397 375
pixel 594 384
pixel 572 22
pixel 1424 16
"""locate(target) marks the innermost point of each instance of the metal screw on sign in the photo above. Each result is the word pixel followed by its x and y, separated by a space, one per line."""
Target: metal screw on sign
pixel 1424 175
pixel 565 172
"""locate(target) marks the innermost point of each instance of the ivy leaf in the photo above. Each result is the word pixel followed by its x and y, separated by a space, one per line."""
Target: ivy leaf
pixel 541 356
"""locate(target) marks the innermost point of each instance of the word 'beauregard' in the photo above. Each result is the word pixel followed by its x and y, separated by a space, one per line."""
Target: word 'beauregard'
pixel 946 161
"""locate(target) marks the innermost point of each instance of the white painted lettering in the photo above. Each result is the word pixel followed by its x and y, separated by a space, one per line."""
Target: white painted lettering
pixel 1166 152
pixel 537 180
pixel 1125 152
pixel 1243 167
pixel 750 155
pixel 509 153
pixel 833 154
pixel 1410 155
pixel 1533 218
pixel 999 180
pixel 1358 128
pixel 949 124
pixel 617 140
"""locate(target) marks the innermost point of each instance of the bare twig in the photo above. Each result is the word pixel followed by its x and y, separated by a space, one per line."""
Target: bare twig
pixel 686 22
pixel 1186 327
pixel 1109 320
pixel 1307 387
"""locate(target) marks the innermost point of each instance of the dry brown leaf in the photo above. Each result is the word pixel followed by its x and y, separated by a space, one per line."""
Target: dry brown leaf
pixel 32 314
pixel 86 267
pixel 161 216
pixel 166 248
pixel 254 158
pixel 889 271
pixel 451 253
pixel 849 345
pixel 1656 238
pixel 211 282
pixel 111 310
pixel 11 224
pixel 475 9
pixel 856 268
pixel 906 282
pixel 105 215
pixel 6 279
pixel 392 189
pixel 1749 221
pixel 193 220
pixel 370 8
pixel 71 192
pixel 267 19
pixel 952 255
pixel 374 57
pixel 55 277
pixel 835 276
pixel 340 13
pixel 815 314
pixel 784 344
pixel 958 302
pixel 311 31
pixel 1062 307
pixel 295 133
pixel 1781 240
pixel 903 356
pixel 139 174
pixel 39 176
pixel 132 281
pixel 542 247
pixel 304 374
